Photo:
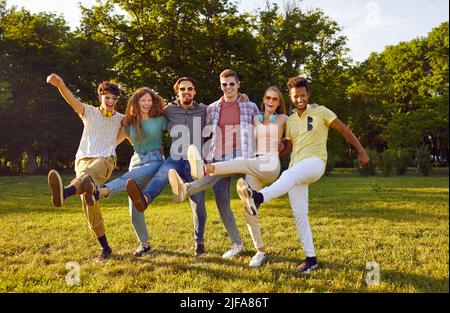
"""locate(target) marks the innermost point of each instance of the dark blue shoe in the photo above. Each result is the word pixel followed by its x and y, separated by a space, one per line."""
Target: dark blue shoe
pixel 310 264
pixel 199 249
pixel 104 255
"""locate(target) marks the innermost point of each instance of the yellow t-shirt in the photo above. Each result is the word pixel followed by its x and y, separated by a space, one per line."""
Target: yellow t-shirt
pixel 309 133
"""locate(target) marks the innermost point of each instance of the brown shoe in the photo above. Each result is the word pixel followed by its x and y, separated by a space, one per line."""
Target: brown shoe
pixel 88 187
pixel 136 195
pixel 57 188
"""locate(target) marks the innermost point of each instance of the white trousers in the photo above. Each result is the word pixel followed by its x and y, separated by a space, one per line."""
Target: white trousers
pixel 295 181
pixel 259 171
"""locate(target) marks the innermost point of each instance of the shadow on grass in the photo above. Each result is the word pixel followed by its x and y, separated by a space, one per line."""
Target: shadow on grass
pixel 43 209
pixel 381 213
pixel 421 283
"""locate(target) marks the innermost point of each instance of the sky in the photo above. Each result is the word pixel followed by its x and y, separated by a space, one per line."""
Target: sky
pixel 369 25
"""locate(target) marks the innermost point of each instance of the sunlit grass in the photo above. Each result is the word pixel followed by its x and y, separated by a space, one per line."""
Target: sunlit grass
pixel 400 222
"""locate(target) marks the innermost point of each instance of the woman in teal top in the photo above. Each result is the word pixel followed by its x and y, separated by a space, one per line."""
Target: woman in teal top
pixel 142 126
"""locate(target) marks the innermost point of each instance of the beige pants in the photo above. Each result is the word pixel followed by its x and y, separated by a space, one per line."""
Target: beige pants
pixel 259 171
pixel 100 169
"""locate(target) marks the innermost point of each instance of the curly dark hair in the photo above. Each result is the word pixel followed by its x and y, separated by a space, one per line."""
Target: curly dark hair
pixel 298 82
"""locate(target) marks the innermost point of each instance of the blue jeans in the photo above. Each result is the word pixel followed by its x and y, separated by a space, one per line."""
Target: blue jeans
pixel 221 186
pixel 161 180
pixel 142 168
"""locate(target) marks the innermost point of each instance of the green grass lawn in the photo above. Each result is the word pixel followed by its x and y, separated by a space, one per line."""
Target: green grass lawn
pixel 400 222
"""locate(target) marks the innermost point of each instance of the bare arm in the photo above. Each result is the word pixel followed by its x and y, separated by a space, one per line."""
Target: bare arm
pixel 76 104
pixel 281 133
pixel 122 135
pixel 351 138
pixel 287 147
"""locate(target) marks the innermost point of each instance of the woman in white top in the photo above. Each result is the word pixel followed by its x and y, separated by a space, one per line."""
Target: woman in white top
pixel 262 169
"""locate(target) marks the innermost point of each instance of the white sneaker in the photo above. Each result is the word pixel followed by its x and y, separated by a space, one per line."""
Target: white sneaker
pixel 179 189
pixel 196 162
pixel 257 259
pixel 235 250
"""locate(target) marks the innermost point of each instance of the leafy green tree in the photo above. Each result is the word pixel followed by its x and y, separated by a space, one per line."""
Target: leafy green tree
pixel 401 95
pixel 44 126
pixel 160 41
pixel 437 55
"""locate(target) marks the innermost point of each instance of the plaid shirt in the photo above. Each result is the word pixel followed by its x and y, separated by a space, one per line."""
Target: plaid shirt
pixel 248 111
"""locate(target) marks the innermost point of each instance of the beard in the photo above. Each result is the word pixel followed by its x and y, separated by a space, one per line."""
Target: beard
pixel 187 101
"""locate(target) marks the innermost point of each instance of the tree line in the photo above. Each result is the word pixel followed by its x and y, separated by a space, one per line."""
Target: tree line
pixel 396 101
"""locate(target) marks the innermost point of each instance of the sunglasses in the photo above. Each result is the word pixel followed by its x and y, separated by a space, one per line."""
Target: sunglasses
pixel 232 84
pixel 309 125
pixel 186 88
pixel 268 98
pixel 113 98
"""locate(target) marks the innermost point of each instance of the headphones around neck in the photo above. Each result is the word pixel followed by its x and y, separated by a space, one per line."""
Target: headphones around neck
pixel 105 112
pixel 272 118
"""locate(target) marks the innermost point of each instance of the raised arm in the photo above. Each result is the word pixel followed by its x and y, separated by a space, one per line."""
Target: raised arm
pixel 76 104
pixel 351 138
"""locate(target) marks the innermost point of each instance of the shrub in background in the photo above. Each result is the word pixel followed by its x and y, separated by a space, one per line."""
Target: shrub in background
pixel 387 161
pixel 424 165
pixel 403 159
pixel 369 169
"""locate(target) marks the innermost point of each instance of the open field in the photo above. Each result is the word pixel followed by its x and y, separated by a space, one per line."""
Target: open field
pixel 402 223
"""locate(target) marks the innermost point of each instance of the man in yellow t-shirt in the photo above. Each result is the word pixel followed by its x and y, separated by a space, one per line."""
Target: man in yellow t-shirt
pixel 306 135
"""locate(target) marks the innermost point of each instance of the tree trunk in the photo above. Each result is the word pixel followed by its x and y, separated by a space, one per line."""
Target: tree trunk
pixel 44 160
pixel 31 167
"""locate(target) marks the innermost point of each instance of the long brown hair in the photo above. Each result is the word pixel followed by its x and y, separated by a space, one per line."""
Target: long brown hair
pixel 133 111
pixel 281 108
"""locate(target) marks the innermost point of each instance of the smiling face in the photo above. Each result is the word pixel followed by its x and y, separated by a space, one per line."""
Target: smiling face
pixel 230 87
pixel 145 104
pixel 299 97
pixel 186 92
pixel 271 102
pixel 108 102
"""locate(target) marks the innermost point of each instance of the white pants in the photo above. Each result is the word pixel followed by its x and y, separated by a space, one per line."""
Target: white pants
pixel 259 171
pixel 295 181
